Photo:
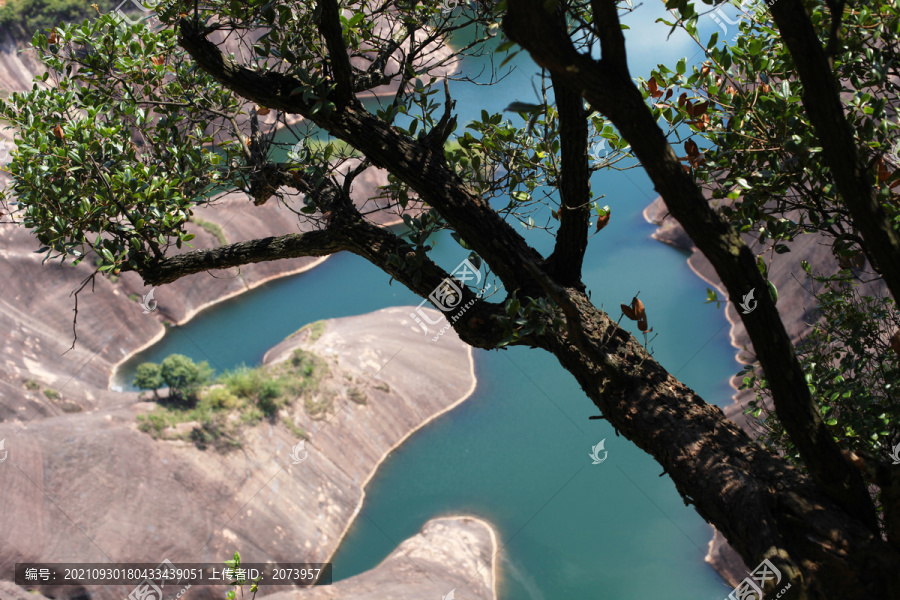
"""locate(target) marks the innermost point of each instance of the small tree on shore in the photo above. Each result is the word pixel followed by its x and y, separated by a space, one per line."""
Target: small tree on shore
pixel 148 377
pixel 179 373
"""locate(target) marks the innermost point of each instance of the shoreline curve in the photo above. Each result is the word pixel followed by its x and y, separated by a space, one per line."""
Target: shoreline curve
pixel 399 442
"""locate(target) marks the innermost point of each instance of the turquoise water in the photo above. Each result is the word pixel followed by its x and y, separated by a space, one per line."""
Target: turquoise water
pixel 516 453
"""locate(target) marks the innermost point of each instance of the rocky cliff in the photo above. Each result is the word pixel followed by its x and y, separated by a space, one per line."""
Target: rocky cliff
pixel 90 487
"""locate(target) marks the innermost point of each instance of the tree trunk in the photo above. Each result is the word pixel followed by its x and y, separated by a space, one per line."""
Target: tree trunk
pixel 764 507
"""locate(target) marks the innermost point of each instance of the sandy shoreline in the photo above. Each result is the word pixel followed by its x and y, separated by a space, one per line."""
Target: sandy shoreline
pixel 495 550
pixel 387 452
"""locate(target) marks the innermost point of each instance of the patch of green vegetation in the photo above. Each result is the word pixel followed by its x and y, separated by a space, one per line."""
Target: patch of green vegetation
pixel 51 394
pixel 134 297
pixel 383 386
pixel 338 147
pixel 295 429
pixel 215 433
pixel 68 406
pixel 357 395
pixel 211 228
pixel 315 329
pixel 317 406
pixel 251 395
pixel 31 384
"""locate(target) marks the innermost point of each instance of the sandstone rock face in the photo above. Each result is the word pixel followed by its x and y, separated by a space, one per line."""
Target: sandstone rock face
pixel 453 554
pixel 90 487
pixel 36 304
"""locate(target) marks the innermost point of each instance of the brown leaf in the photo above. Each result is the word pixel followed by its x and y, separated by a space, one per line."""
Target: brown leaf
pixel 669 93
pixel 158 60
pixel 654 88
pixel 765 88
pixel 690 147
pixel 638 307
pixel 704 70
pixel 701 123
pixel 731 91
pixel 895 342
pixel 58 132
pixel 682 99
pixel 636 312
pixel 53 38
pixel 603 221
pixel 701 108
pixel 262 111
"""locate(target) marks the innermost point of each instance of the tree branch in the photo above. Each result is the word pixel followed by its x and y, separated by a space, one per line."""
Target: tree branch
pixel 821 98
pixel 612 40
pixel 331 30
pixel 292 245
pixel 566 262
pixel 611 91
pixel 419 165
